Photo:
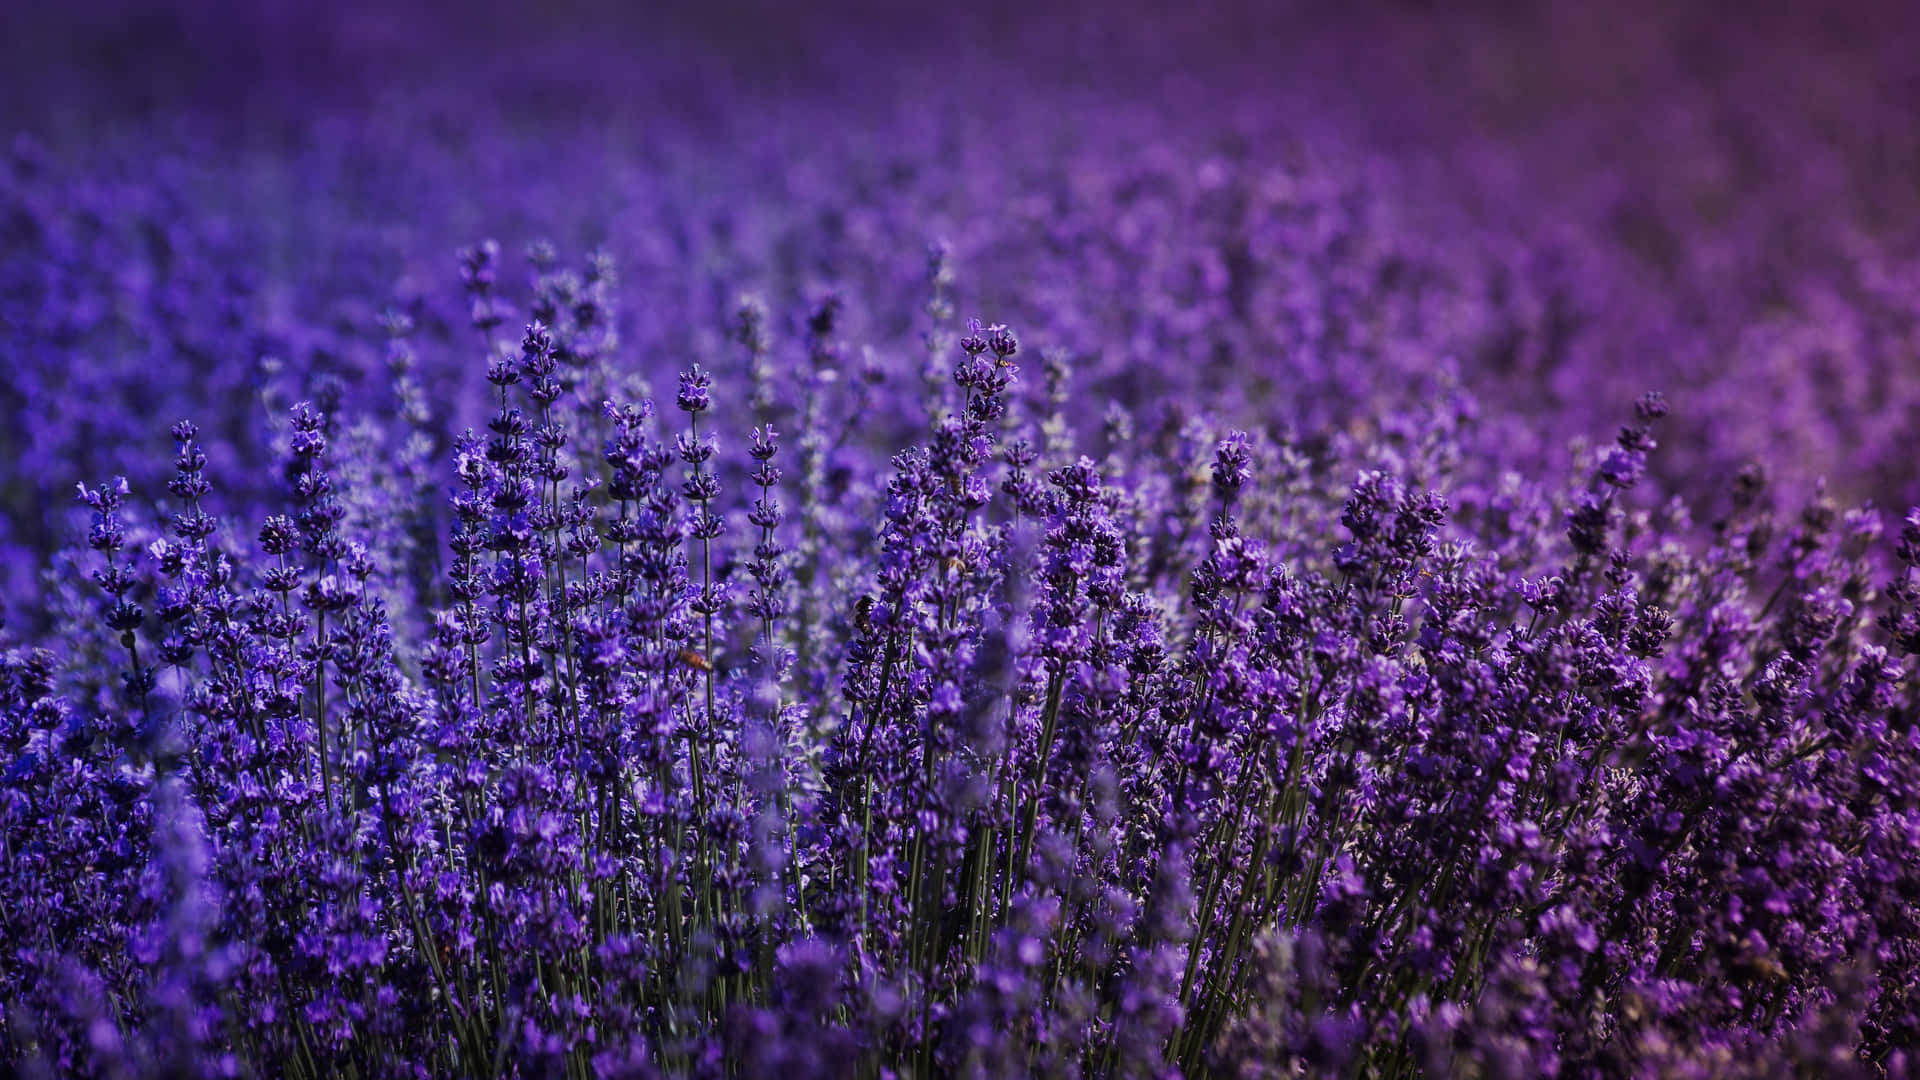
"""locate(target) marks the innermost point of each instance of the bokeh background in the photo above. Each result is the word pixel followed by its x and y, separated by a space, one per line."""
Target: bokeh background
pixel 1291 215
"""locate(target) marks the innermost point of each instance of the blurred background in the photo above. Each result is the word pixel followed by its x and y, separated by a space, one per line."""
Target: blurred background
pixel 1292 215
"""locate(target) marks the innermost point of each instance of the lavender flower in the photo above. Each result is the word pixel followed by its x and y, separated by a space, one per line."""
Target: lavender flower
pixel 1273 659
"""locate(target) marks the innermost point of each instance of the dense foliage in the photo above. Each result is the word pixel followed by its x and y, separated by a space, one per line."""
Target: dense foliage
pixel 698 649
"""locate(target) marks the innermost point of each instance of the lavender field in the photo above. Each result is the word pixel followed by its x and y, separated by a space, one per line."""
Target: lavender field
pixel 858 540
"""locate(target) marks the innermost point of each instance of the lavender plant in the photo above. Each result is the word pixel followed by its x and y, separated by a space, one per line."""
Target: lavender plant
pixel 1350 779
pixel 710 656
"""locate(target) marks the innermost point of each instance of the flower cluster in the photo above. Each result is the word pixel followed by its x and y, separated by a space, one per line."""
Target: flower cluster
pixel 1260 663
pixel 1250 770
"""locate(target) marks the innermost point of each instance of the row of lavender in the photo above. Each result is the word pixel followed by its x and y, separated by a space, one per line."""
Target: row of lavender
pixel 710 655
pixel 701 747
